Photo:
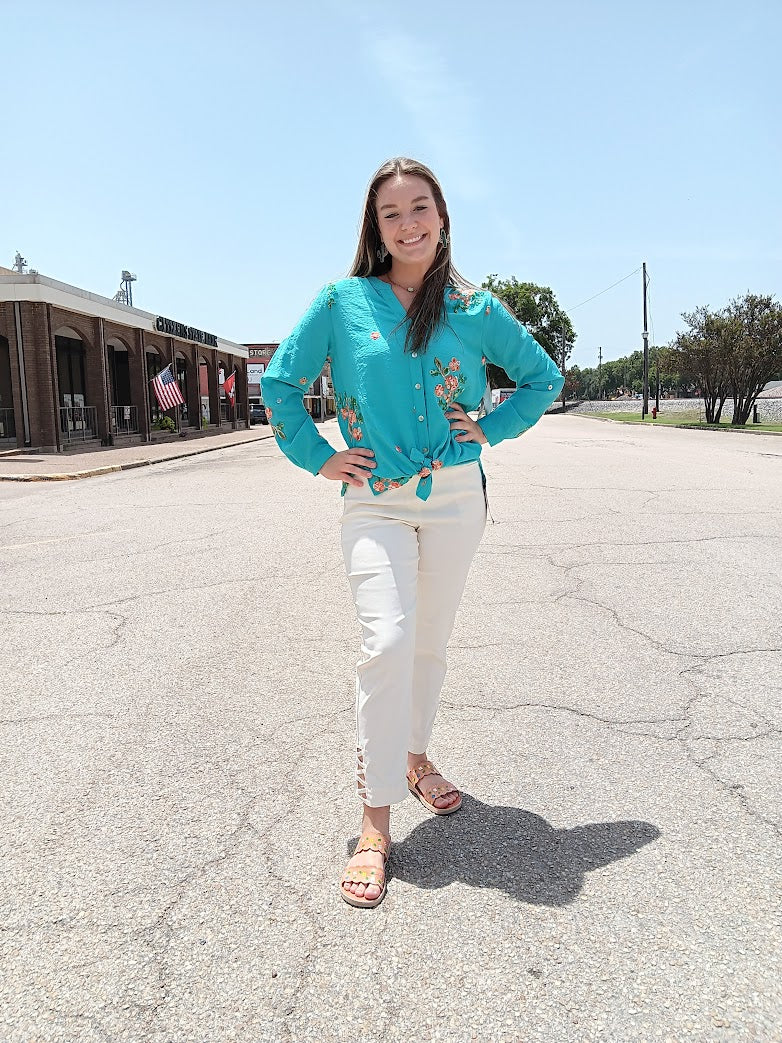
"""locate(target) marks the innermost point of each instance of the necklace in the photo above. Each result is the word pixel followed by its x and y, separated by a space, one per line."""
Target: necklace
pixel 410 289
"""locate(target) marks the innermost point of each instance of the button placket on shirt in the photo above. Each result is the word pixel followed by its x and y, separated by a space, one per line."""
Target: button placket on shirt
pixel 420 405
pixel 421 412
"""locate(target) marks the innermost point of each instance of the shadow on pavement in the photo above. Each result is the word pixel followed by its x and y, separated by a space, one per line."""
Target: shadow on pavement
pixel 512 850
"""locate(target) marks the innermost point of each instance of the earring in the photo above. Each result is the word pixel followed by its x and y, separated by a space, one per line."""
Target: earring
pixel 382 253
pixel 443 238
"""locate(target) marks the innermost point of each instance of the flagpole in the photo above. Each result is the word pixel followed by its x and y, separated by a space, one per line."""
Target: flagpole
pixel 177 409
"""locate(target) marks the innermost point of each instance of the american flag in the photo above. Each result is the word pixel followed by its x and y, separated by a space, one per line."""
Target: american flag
pixel 166 389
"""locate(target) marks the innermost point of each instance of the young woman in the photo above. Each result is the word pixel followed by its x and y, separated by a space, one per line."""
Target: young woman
pixel 408 340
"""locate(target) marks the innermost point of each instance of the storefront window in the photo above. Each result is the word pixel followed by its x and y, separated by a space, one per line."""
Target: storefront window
pixel 70 371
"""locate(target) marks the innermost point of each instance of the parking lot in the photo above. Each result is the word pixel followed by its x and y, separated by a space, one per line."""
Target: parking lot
pixel 177 720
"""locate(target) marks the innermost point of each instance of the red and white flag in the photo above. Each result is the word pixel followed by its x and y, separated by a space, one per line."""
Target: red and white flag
pixel 166 389
pixel 229 386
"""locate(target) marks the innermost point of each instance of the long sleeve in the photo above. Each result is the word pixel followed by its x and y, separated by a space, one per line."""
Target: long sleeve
pixel 295 365
pixel 510 345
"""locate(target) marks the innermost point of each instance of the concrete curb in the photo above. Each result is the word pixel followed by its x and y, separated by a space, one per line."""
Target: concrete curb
pixel 71 476
pixel 678 427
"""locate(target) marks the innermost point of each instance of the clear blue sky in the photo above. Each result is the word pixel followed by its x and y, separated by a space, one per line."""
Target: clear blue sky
pixel 221 150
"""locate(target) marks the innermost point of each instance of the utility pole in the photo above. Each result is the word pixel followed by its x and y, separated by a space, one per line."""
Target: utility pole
pixel 600 373
pixel 564 374
pixel 645 408
pixel 657 389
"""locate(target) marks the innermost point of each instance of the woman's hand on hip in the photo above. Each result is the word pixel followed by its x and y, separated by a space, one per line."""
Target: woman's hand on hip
pixel 465 429
pixel 351 465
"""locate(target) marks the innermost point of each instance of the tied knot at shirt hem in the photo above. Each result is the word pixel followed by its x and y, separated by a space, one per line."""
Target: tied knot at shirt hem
pixel 424 486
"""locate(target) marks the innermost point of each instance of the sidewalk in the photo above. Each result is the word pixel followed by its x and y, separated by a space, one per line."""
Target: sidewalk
pixel 58 467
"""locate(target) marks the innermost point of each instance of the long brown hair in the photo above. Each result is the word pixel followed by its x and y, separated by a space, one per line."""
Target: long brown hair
pixel 427 310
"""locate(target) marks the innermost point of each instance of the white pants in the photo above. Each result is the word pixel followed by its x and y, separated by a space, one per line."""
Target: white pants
pixel 407 561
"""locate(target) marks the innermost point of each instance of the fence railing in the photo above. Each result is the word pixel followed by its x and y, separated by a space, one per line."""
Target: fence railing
pixel 78 423
pixel 124 420
pixel 7 425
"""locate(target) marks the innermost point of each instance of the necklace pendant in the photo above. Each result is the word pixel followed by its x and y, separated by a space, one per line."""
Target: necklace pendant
pixel 410 289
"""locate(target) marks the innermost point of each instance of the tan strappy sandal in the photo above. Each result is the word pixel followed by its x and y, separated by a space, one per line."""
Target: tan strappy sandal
pixel 427 796
pixel 371 841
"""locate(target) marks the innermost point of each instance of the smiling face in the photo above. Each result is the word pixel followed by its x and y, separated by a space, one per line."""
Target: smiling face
pixel 408 221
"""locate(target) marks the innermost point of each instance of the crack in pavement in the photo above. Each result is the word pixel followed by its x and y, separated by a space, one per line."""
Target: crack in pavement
pixel 121 622
pixel 706 656
pixel 684 723
pixel 736 790
pixel 231 845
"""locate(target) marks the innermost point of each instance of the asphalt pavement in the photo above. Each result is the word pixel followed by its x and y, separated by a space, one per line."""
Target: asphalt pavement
pixel 176 793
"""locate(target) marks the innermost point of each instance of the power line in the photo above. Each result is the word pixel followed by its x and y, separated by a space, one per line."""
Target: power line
pixel 613 284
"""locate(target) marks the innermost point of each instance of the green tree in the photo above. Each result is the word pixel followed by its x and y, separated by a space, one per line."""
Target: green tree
pixel 619 376
pixel 536 307
pixel 734 351
pixel 756 354
pixel 702 353
pixel 574 383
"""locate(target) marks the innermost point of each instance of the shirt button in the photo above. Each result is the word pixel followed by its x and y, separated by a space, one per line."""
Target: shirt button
pixel 425 449
pixel 421 419
pixel 279 400
pixel 551 387
pixel 414 354
pixel 418 387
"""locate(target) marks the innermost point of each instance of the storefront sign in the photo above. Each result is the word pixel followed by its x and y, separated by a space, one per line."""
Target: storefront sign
pixel 255 372
pixel 178 329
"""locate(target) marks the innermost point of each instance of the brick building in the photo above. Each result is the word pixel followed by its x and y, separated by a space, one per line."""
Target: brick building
pixel 76 367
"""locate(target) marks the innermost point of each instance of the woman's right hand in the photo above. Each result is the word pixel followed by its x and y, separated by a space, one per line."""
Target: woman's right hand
pixel 351 465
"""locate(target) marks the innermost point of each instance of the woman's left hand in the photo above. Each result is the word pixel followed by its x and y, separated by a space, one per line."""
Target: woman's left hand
pixel 468 430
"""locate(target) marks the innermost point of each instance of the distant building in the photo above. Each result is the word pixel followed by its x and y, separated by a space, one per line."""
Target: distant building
pixel 76 367
pixel 259 357
pixel 318 398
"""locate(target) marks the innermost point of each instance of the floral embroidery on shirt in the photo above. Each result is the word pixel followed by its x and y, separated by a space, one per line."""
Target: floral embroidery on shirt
pixel 463 300
pixel 330 299
pixel 375 335
pixel 278 429
pixel 452 385
pixel 436 465
pixel 347 407
pixel 380 485
pixel 303 380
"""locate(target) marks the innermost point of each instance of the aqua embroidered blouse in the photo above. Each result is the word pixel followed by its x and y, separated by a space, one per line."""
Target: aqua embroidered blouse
pixel 393 401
